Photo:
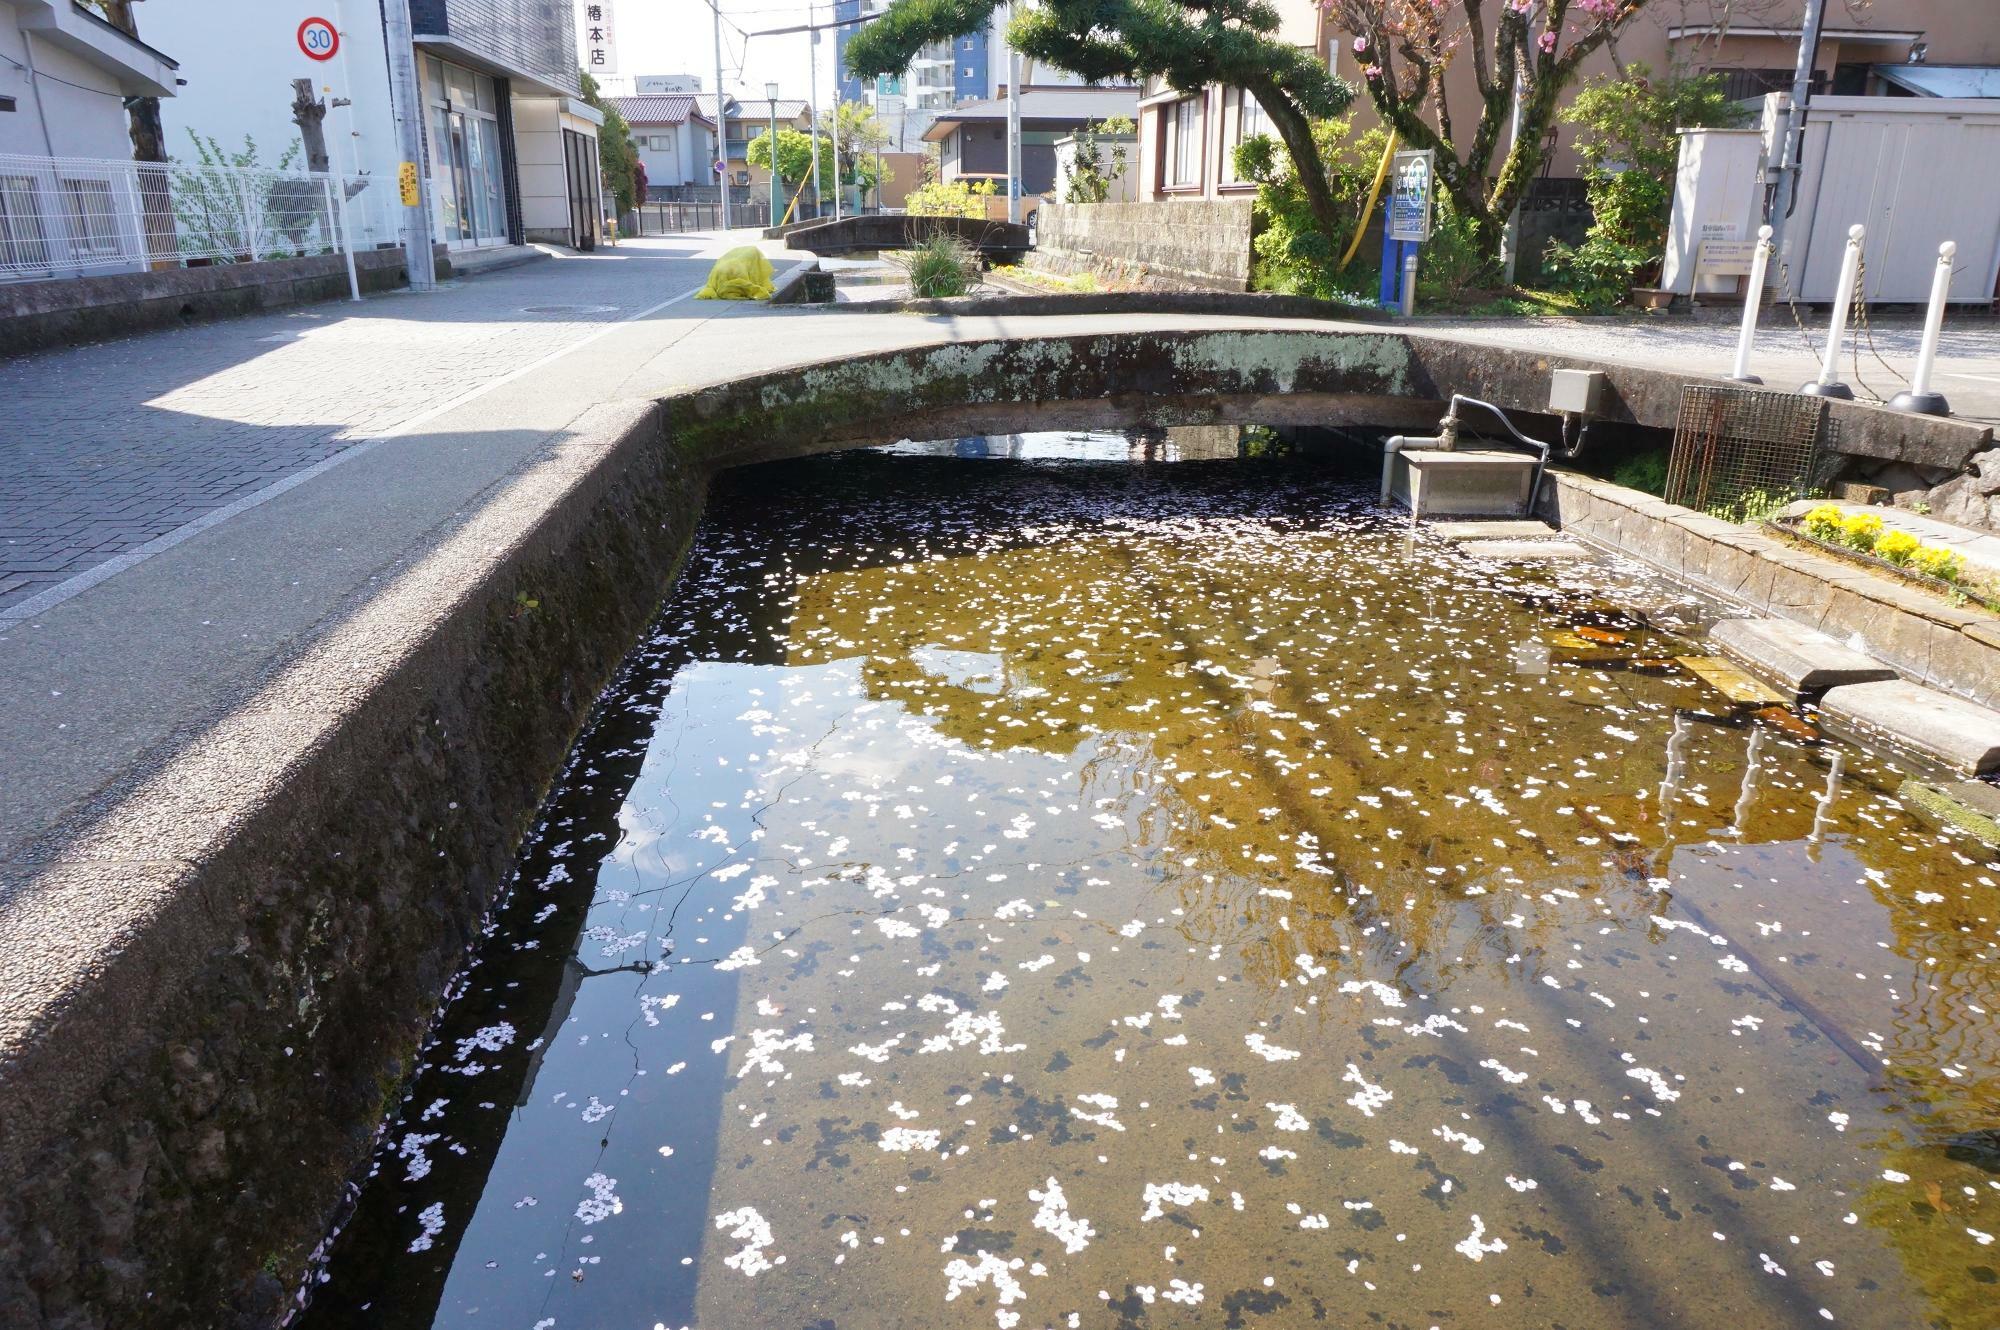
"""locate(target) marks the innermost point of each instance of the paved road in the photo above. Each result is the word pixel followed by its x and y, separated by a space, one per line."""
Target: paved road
pixel 106 448
pixel 1786 353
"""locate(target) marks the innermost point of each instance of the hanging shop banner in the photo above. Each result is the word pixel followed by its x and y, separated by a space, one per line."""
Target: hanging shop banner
pixel 1413 183
pixel 597 37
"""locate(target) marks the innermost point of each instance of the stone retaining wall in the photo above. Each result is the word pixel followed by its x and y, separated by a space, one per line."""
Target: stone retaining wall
pixel 1924 636
pixel 35 316
pixel 1204 243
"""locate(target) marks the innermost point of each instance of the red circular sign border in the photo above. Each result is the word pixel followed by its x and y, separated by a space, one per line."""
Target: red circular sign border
pixel 331 51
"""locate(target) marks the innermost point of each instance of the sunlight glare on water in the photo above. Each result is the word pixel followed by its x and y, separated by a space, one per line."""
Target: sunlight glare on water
pixel 1054 893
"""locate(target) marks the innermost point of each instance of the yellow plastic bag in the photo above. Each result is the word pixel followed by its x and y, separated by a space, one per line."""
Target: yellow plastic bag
pixel 741 274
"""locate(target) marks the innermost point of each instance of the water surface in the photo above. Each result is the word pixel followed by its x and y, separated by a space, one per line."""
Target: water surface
pixel 1065 893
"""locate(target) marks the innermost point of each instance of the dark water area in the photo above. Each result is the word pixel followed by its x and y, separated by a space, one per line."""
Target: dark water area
pixel 1061 881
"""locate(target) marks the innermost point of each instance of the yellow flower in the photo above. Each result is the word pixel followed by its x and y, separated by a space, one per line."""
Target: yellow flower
pixel 1860 530
pixel 1941 564
pixel 1824 521
pixel 1896 546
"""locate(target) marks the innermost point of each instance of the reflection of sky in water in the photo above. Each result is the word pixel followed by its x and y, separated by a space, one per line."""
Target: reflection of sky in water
pixel 1093 898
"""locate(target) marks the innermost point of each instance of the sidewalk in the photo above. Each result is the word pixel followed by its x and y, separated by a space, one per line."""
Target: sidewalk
pixel 104 448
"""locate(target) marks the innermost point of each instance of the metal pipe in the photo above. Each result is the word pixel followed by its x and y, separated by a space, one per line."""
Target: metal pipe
pixel 1828 383
pixel 1396 443
pixel 1753 300
pixel 1920 399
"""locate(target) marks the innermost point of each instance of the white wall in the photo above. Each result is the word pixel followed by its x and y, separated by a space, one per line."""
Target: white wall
pixel 239 58
pixel 679 164
pixel 80 123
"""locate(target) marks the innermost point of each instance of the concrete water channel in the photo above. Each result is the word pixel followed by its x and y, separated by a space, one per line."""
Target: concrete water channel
pixel 1068 880
pixel 223 967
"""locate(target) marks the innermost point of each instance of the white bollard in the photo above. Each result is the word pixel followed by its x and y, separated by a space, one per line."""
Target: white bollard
pixel 1753 300
pixel 1828 383
pixel 1919 399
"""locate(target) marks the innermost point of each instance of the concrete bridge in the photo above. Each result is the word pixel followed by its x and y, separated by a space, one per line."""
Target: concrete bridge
pixel 873 232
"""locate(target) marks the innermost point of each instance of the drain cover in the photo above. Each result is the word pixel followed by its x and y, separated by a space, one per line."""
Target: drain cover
pixel 568 309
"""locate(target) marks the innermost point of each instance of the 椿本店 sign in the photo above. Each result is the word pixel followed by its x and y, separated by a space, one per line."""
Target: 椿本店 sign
pixel 596 37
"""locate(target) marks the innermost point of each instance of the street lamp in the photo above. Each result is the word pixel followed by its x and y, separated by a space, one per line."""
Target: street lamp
pixel 771 103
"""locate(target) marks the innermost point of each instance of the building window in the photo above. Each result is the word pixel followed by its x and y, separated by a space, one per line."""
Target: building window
pixel 1246 122
pixel 1183 155
pixel 24 242
pixel 93 221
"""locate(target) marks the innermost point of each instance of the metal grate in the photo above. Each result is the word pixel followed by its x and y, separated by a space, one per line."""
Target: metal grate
pixel 1733 445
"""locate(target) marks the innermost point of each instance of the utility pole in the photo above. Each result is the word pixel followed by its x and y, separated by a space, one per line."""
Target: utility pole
pixel 1013 125
pixel 812 112
pixel 833 142
pixel 406 104
pixel 1793 147
pixel 722 119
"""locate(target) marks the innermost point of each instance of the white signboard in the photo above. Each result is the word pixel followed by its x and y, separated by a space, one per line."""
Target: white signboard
pixel 597 37
pixel 1411 185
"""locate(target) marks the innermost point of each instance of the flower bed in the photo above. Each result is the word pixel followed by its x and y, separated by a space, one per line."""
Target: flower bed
pixel 1861 538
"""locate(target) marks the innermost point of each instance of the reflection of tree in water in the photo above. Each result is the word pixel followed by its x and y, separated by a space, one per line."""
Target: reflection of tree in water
pixel 1301 730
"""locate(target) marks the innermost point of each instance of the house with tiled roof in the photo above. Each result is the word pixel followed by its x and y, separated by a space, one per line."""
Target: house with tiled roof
pixel 676 142
pixel 675 134
pixel 747 118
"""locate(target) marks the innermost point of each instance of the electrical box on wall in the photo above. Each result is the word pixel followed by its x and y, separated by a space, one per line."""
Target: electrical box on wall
pixel 1576 391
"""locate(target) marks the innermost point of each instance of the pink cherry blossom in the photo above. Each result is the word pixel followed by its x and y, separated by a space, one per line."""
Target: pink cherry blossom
pixel 1373 71
pixel 1360 45
pixel 1547 41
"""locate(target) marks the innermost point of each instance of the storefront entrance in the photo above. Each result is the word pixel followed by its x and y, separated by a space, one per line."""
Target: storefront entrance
pixel 468 178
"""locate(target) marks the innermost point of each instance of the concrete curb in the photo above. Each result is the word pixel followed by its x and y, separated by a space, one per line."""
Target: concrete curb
pixel 1053 303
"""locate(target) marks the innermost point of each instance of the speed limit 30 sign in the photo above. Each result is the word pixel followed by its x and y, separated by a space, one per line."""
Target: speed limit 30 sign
pixel 318 39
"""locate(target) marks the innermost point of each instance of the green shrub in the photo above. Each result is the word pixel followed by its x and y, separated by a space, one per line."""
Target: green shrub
pixel 941 265
pixel 1629 141
pixel 1647 471
pixel 956 199
pixel 1291 255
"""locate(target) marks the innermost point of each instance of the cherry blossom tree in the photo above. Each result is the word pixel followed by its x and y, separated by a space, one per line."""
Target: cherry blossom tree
pixel 1405 48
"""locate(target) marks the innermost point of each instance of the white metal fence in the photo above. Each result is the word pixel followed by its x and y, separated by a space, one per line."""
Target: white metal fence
pixel 75 216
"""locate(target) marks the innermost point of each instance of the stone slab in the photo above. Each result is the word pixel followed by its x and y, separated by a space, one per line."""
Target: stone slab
pixel 1960 735
pixel 1731 682
pixel 1799 658
pixel 1496 529
pixel 1521 551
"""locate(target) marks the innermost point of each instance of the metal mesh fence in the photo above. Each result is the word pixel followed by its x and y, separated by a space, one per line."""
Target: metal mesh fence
pixel 63 216
pixel 1738 449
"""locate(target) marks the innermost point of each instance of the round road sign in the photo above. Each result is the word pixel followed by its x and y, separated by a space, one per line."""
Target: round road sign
pixel 318 39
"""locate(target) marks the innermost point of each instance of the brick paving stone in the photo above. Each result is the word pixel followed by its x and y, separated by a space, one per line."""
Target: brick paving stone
pixel 106 447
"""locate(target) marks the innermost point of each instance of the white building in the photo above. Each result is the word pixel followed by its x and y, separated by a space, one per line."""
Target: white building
pixel 64 75
pixel 510 147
